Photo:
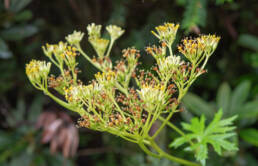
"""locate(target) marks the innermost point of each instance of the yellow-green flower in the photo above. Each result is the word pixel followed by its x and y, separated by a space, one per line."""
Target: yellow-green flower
pixel 166 33
pixel 100 45
pixel 37 70
pixel 48 49
pixel 195 49
pixel 168 65
pixel 152 95
pixel 210 42
pixel 114 31
pixel 106 78
pixel 74 38
pixel 94 30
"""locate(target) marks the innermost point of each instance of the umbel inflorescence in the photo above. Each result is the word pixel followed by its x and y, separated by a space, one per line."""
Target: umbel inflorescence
pixel 109 102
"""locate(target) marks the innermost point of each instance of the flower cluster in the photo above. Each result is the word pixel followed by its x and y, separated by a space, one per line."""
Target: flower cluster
pixel 100 45
pixel 106 78
pixel 112 101
pixel 196 49
pixel 157 52
pixel 37 71
pixel 152 96
pixel 166 33
pixel 61 53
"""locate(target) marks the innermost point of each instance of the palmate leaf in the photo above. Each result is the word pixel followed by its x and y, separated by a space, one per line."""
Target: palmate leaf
pixel 216 134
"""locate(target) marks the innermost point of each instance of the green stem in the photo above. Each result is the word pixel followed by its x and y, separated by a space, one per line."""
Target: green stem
pixel 128 139
pixel 155 115
pixel 87 57
pixel 122 135
pixel 170 50
pixel 171 157
pixel 172 126
pixel 147 151
pixel 110 47
pixel 128 77
pixel 53 61
pixel 145 127
pixel 204 63
pixel 118 108
pixel 163 125
pixel 123 90
pixel 74 76
pixel 62 103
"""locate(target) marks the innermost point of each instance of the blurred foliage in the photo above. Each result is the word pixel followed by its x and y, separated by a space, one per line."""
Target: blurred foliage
pixel 20 144
pixel 232 102
pixel 25 25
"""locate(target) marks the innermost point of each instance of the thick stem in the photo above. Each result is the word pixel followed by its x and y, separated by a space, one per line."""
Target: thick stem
pixel 123 90
pixel 62 103
pixel 171 157
pixel 147 151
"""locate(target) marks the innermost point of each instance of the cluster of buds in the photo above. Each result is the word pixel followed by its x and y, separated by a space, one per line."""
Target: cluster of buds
pixel 108 103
